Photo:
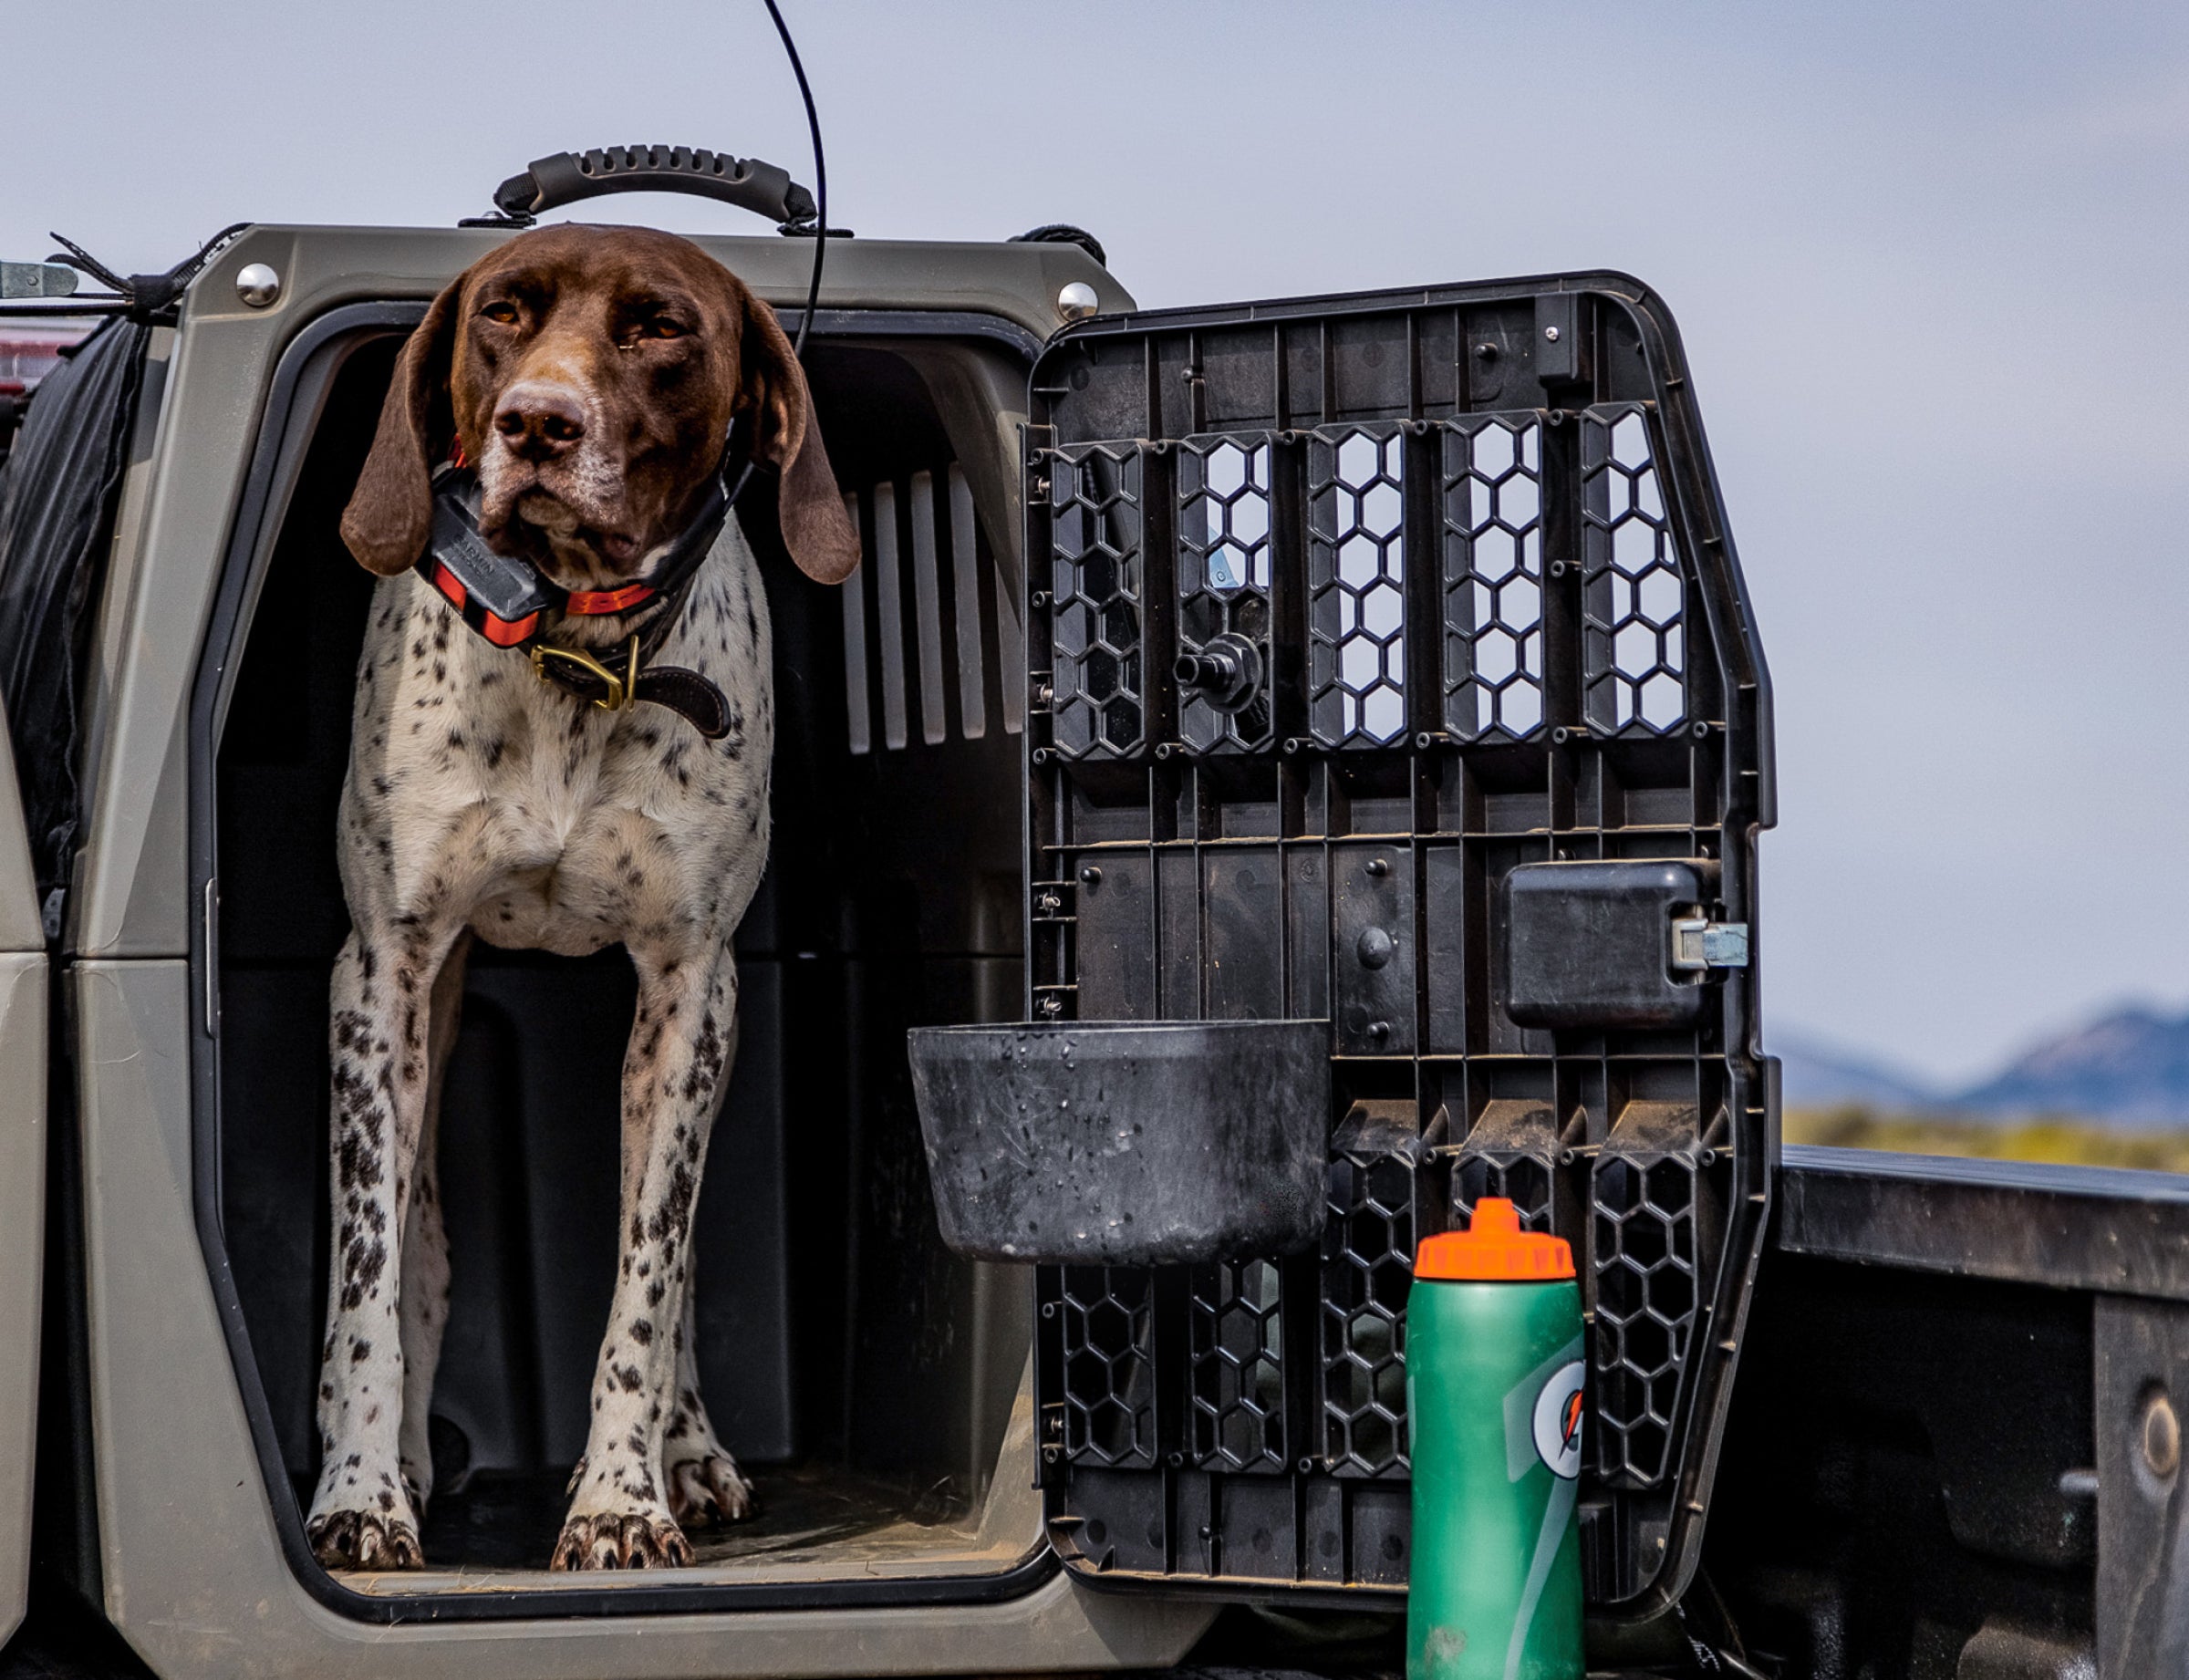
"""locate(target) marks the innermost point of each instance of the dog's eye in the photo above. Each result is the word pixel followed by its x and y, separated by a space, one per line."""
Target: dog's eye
pixel 503 312
pixel 661 326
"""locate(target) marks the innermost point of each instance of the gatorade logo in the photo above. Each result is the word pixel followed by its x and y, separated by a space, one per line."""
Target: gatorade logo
pixel 1557 1420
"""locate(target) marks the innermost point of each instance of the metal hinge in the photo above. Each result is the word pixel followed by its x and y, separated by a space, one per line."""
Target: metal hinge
pixel 1698 944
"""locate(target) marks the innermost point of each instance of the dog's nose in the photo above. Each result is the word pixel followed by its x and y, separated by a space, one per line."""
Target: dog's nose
pixel 539 421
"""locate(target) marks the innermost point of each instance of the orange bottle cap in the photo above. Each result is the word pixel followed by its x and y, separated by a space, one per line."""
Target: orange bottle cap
pixel 1494 1248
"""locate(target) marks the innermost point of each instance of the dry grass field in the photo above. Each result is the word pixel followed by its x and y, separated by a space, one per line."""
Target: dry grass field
pixel 2042 1137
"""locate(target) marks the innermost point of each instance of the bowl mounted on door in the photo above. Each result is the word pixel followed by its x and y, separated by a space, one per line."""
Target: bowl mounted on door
pixel 1121 1143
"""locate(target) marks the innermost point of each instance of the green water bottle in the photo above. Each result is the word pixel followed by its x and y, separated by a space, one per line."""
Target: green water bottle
pixel 1494 1372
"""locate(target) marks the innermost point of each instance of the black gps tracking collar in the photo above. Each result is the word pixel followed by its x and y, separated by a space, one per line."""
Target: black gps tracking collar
pixel 505 600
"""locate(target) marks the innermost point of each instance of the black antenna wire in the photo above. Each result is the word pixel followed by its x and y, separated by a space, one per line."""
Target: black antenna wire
pixel 813 285
pixel 812 123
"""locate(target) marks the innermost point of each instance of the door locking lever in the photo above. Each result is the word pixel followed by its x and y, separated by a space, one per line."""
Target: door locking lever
pixel 1698 943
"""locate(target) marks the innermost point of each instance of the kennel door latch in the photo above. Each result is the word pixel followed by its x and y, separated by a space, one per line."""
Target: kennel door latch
pixel 1614 943
pixel 1698 944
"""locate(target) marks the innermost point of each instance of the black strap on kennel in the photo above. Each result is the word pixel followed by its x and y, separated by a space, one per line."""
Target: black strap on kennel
pixel 506 600
pixel 59 486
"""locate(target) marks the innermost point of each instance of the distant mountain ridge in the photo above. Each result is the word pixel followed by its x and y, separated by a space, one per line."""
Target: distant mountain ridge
pixel 2129 1068
pixel 1816 1074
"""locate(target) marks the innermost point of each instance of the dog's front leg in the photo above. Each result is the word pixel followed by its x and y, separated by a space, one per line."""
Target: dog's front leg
pixel 679 1054
pixel 423 1300
pixel 361 1515
pixel 705 1485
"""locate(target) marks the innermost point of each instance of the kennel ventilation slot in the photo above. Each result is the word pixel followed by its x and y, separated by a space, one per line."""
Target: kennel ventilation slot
pixel 859 719
pixel 924 524
pixel 1493 593
pixel 888 593
pixel 1634 599
pixel 1357 585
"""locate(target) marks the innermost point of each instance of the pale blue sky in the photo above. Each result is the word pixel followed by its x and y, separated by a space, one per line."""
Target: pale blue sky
pixel 1928 261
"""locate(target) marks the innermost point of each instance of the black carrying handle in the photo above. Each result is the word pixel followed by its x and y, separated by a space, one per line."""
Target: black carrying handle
pixel 567 178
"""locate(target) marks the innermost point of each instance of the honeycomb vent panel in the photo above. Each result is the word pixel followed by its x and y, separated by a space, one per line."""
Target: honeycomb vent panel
pixel 1225 580
pixel 1109 1365
pixel 1633 597
pixel 1493 577
pixel 1643 1218
pixel 1357 585
pixel 1098 600
pixel 1237 1319
pixel 1367 1268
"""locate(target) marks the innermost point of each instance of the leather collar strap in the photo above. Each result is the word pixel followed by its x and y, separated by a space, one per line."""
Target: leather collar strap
pixel 605 679
pixel 505 600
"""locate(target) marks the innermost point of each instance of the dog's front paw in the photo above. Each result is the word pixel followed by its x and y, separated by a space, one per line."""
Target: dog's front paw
pixel 708 1488
pixel 619 1540
pixel 364 1540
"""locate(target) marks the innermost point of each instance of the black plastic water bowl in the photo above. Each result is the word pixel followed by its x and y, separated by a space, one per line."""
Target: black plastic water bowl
pixel 1126 1143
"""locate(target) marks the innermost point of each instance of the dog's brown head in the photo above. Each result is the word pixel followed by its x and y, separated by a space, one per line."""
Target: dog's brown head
pixel 592 374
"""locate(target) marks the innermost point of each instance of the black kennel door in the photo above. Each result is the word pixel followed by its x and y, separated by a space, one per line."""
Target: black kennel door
pixel 1388 662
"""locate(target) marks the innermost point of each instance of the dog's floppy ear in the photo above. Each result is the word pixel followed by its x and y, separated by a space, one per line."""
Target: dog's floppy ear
pixel 391 512
pixel 786 435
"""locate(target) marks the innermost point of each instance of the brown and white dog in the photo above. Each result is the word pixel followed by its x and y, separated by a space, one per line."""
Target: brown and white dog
pixel 592 374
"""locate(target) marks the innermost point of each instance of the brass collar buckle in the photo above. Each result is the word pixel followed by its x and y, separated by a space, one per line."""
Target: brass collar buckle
pixel 622 691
